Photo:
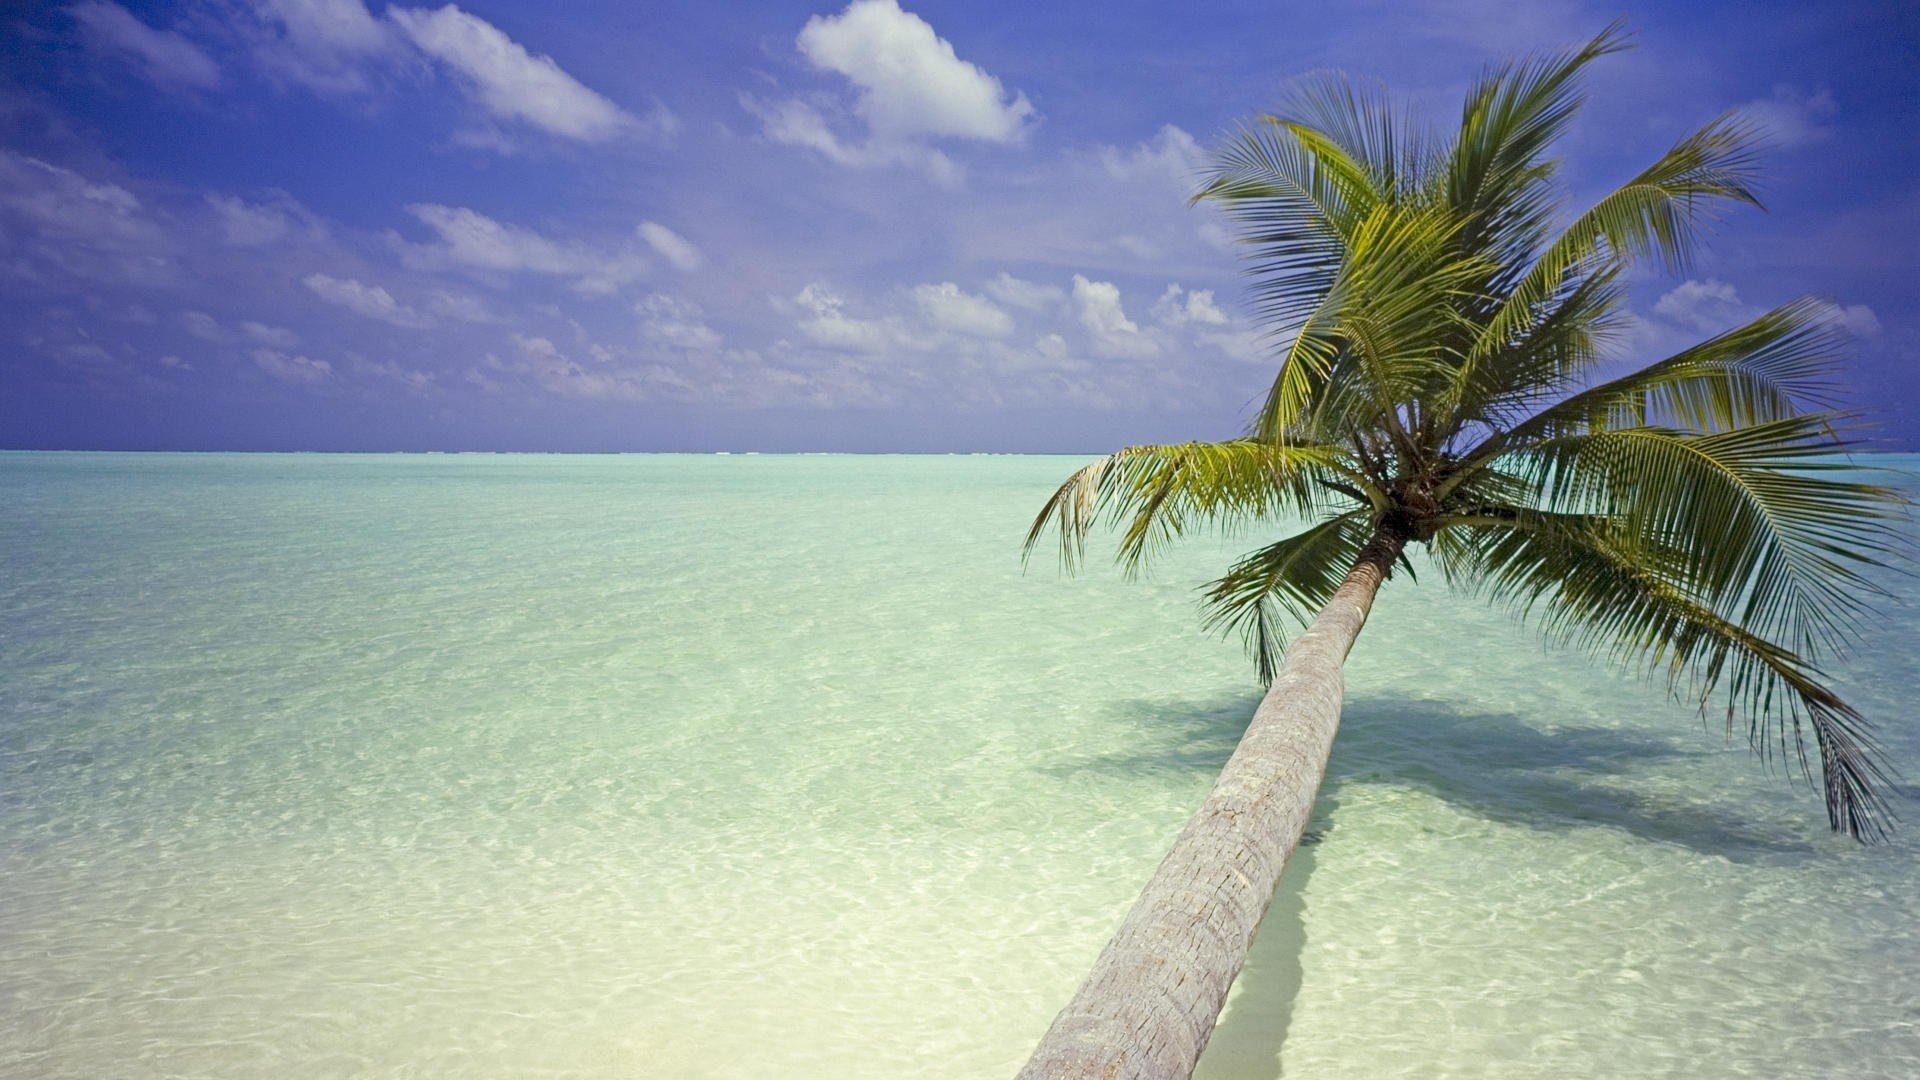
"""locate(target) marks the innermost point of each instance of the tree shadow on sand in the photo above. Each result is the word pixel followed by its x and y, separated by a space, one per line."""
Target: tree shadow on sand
pixel 1495 765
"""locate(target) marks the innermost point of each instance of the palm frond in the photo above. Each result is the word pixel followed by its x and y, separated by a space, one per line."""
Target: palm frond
pixel 1376 341
pixel 1293 207
pixel 1567 338
pixel 1771 531
pixel 1769 369
pixel 1657 214
pixel 1296 576
pixel 1625 595
pixel 1512 115
pixel 1359 120
pixel 1164 491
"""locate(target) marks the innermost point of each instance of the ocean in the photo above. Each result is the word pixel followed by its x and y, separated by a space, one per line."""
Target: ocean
pixel 782 766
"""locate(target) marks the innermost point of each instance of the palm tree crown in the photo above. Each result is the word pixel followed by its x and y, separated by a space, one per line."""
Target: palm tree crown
pixel 1448 379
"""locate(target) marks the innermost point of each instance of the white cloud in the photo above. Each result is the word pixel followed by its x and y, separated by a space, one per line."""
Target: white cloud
pixel 1858 319
pixel 64 205
pixel 460 307
pixel 669 320
pixel 411 378
pixel 1026 295
pixel 1707 307
pixel 797 123
pixel 911 81
pixel 245 225
pixel 1177 307
pixel 1112 333
pixel 1245 345
pixel 203 326
pixel 673 247
pixel 166 59
pixel 471 239
pixel 340 47
pixel 1696 309
pixel 949 308
pixel 540 360
pixel 830 325
pixel 911 86
pixel 329 46
pixel 269 335
pixel 508 81
pixel 240 223
pixel 1792 117
pixel 1171 155
pixel 372 301
pixel 342 26
pixel 294 369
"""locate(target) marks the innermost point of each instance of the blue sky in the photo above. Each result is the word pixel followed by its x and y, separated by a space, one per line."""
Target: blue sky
pixel 325 224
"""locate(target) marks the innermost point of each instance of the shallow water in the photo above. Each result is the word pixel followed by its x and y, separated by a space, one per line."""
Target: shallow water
pixel 749 766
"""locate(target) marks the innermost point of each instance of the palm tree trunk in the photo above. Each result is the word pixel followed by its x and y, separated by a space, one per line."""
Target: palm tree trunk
pixel 1150 1003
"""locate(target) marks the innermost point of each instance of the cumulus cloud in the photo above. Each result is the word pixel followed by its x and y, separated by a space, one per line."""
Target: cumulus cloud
pixel 910 86
pixel 1109 329
pixel 372 301
pixel 949 308
pixel 1177 307
pixel 1026 295
pixel 829 324
pixel 1707 307
pixel 672 247
pixel 911 81
pixel 507 80
pixel 1695 309
pixel 468 238
pixel 299 370
pixel 165 58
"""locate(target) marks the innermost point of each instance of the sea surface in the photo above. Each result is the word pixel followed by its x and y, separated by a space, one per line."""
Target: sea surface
pixel 745 766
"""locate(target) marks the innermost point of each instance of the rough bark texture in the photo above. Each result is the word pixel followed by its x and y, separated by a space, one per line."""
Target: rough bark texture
pixel 1150 1003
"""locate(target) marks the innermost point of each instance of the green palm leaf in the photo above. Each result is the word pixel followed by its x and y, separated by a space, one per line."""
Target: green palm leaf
pixel 1295 575
pixel 1161 492
pixel 1596 584
pixel 1443 331
pixel 1772 533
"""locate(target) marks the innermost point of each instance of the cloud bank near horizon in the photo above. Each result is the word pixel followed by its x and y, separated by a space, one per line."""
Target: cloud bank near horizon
pixel 422 225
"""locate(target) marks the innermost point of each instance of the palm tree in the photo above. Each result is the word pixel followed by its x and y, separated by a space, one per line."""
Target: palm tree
pixel 1446 384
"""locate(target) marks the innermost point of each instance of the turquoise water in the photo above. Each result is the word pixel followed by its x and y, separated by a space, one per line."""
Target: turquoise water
pixel 519 766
